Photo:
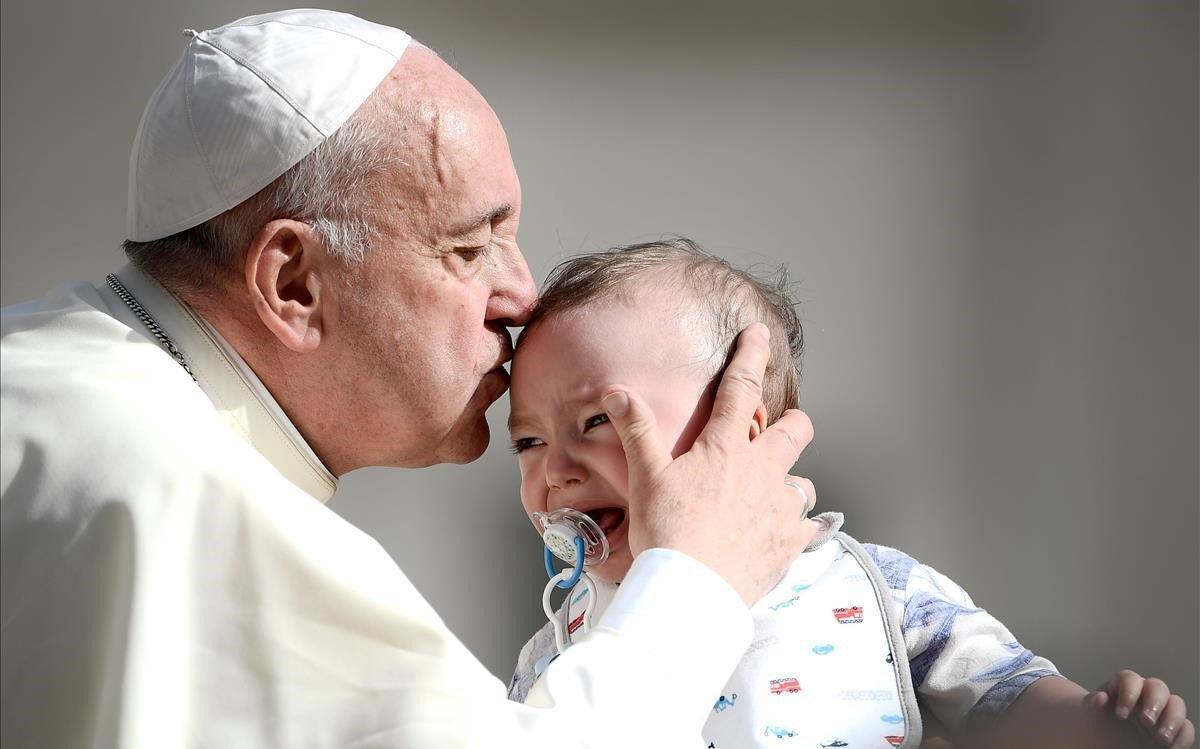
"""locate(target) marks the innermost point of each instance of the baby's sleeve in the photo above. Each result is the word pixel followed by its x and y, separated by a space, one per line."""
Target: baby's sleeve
pixel 964 662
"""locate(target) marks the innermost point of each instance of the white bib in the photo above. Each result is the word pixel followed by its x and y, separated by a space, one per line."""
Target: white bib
pixel 821 671
pixel 827 666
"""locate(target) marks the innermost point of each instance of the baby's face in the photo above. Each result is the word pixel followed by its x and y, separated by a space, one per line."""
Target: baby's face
pixel 570 454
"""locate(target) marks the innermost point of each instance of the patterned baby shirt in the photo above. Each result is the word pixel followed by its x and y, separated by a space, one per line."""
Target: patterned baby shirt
pixel 845 646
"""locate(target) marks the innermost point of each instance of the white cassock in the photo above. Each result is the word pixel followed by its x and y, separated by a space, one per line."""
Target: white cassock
pixel 172 578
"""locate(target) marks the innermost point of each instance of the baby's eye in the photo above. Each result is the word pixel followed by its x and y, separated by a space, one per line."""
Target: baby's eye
pixel 522 444
pixel 595 421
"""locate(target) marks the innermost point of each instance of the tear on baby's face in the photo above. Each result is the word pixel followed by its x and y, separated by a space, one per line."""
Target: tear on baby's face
pixel 570 454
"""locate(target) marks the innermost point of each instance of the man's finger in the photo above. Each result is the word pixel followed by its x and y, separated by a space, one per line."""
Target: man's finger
pixel 786 438
pixel 638 430
pixel 740 390
pixel 806 490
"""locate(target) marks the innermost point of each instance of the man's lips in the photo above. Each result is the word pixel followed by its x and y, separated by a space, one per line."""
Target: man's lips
pixel 504 357
pixel 499 368
pixel 505 353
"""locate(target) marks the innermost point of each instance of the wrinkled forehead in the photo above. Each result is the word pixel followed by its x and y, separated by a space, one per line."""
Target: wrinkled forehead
pixel 451 148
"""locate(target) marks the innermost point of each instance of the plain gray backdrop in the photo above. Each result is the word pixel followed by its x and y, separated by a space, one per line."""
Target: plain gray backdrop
pixel 989 211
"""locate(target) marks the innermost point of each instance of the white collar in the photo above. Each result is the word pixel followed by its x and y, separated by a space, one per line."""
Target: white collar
pixel 238 395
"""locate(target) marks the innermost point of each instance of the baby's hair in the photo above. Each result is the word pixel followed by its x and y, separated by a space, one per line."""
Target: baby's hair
pixel 729 299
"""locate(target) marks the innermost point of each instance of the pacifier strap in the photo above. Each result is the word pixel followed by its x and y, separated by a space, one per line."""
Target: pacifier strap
pixel 548 559
pixel 563 630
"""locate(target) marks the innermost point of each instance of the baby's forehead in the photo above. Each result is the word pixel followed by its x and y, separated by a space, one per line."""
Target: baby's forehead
pixel 645 310
pixel 571 357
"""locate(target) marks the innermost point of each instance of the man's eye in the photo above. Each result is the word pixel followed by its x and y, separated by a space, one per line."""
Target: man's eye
pixel 469 254
pixel 595 421
pixel 524 443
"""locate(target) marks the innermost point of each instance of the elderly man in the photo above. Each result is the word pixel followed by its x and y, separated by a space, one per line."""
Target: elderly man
pixel 322 227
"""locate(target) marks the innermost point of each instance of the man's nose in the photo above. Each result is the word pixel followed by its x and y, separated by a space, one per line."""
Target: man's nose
pixel 563 470
pixel 515 293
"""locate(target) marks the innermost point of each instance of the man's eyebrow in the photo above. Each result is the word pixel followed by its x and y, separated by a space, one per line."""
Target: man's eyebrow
pixel 484 219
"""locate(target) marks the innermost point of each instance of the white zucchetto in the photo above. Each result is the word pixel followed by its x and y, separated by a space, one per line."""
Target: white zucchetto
pixel 244 104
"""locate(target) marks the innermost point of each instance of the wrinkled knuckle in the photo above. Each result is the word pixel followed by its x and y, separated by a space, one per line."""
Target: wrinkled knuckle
pixel 794 441
pixel 636 430
pixel 750 382
pixel 717 451
pixel 725 410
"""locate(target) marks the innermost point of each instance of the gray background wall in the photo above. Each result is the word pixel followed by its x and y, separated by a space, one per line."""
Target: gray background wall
pixel 990 210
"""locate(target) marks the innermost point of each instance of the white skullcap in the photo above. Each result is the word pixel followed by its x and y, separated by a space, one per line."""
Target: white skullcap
pixel 244 104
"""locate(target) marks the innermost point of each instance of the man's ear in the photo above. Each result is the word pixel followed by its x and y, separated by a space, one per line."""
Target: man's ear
pixel 760 420
pixel 283 270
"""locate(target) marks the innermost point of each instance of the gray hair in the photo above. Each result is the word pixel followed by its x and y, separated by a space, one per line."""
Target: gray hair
pixel 728 298
pixel 324 189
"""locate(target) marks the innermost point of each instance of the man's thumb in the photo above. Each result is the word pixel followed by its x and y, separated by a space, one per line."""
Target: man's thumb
pixel 638 430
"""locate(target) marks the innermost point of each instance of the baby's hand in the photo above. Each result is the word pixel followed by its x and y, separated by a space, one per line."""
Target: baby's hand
pixel 1150 704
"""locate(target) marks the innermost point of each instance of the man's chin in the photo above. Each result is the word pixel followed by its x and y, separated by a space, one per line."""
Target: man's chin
pixel 465 448
pixel 468 438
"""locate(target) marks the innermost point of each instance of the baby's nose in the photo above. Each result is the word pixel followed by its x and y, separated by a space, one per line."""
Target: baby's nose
pixel 561 481
pixel 563 471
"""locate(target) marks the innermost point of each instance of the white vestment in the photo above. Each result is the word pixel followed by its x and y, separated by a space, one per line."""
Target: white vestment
pixel 172 578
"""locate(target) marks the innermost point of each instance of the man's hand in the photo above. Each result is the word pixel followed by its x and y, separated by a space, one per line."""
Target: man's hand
pixel 1150 704
pixel 724 502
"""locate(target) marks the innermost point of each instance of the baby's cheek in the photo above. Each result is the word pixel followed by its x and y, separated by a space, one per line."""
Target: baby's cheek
pixel 531 502
pixel 529 510
pixel 617 566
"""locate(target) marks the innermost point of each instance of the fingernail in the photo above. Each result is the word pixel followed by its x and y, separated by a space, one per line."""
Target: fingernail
pixel 1122 713
pixel 1148 716
pixel 616 404
pixel 1166 733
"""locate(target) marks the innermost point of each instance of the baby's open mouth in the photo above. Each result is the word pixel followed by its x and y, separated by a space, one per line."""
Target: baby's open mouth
pixel 608 518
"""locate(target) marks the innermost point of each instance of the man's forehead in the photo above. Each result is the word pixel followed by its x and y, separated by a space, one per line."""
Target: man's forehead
pixel 458 167
pixel 436 114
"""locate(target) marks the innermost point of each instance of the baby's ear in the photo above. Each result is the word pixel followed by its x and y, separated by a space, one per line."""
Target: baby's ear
pixel 760 420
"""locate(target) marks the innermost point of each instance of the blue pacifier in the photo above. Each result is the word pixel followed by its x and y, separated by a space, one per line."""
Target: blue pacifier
pixel 574 538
